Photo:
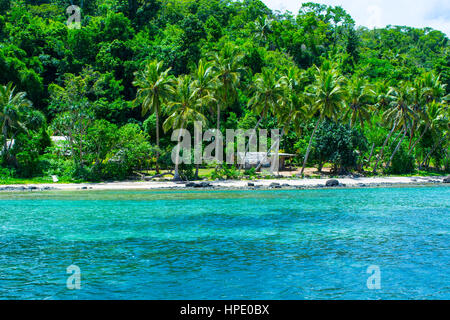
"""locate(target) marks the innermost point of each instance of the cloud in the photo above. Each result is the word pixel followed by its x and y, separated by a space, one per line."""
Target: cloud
pixel 380 13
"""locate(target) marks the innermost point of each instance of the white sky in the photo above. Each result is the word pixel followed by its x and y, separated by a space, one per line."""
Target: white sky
pixel 380 13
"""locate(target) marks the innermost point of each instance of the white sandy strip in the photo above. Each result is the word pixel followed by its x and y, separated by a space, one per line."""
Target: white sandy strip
pixel 349 182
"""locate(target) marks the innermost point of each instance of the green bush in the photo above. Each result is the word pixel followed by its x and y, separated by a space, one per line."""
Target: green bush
pixel 7 173
pixel 402 163
pixel 338 144
pixel 225 172
pixel 186 171
pixel 250 173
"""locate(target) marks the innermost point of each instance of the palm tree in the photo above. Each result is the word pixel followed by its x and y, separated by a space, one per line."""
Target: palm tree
pixel 268 93
pixel 268 90
pixel 432 88
pixel 155 87
pixel 327 96
pixel 359 96
pixel 227 67
pixel 439 115
pixel 16 116
pixel 183 109
pixel 263 26
pixel 401 111
pixel 205 85
pixel 432 91
pixel 204 81
pixel 382 97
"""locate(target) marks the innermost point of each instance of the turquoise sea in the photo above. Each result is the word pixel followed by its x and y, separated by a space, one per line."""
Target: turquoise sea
pixel 299 244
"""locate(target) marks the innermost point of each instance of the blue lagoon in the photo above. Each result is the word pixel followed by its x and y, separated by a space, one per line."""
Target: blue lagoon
pixel 296 244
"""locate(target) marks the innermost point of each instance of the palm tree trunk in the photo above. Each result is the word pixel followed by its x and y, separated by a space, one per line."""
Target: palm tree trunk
pixel 218 130
pixel 5 143
pixel 176 176
pixel 249 140
pixel 396 149
pixel 432 150
pixel 397 137
pixel 370 157
pixel 157 141
pixel 271 148
pixel 420 138
pixel 380 155
pixel 413 131
pixel 309 146
pixel 196 171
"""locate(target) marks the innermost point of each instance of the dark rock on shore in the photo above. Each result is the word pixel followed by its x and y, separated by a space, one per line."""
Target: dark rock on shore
pixel 332 183
pixel 29 188
pixel 250 184
pixel 446 180
pixel 203 184
pixel 275 185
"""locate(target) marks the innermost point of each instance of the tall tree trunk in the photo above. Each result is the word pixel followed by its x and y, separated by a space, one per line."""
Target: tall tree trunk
pixel 413 131
pixel 420 138
pixel 436 145
pixel 196 172
pixel 271 148
pixel 218 117
pixel 176 176
pixel 218 130
pixel 396 149
pixel 370 156
pixel 380 155
pixel 5 143
pixel 157 141
pixel 309 146
pixel 249 140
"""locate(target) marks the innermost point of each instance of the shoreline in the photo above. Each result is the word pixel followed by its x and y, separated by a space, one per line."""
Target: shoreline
pixel 347 182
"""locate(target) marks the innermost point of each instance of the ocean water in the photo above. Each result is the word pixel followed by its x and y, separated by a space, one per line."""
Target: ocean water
pixel 301 244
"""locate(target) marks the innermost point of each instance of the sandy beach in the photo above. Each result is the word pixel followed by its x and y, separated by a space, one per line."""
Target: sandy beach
pixel 348 182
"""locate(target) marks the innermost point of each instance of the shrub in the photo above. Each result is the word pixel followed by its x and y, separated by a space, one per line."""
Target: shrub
pixel 250 172
pixel 338 144
pixel 6 173
pixel 402 163
pixel 225 172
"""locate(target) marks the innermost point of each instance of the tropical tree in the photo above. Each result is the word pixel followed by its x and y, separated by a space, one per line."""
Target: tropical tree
pixel 263 26
pixel 439 124
pixel 359 97
pixel 227 66
pixel 382 97
pixel 401 112
pixel 154 88
pixel 183 108
pixel 16 116
pixel 205 84
pixel 327 95
pixel 268 93
pixel 289 107
pixel 432 94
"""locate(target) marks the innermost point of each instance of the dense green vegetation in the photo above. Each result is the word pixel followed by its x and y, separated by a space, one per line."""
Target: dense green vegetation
pixel 358 99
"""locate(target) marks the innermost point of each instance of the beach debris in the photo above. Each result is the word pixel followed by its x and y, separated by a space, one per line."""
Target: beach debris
pixel 332 183
pixel 55 178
